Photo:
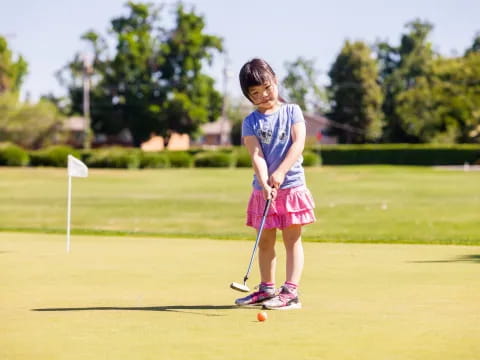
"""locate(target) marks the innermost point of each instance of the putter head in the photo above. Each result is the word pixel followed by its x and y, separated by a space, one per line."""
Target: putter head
pixel 239 287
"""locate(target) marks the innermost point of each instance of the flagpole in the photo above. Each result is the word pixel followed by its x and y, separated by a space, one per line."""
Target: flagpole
pixel 69 206
pixel 76 168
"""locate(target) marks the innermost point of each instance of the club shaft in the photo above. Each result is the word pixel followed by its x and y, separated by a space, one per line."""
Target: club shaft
pixel 259 234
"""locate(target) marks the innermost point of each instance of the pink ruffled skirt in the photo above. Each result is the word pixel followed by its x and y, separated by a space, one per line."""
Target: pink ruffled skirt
pixel 293 206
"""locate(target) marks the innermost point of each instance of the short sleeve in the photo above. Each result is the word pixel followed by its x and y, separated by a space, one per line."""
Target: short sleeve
pixel 247 129
pixel 297 114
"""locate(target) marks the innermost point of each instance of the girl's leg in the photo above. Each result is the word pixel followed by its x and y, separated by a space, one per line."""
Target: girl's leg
pixel 292 238
pixel 267 262
pixel 288 298
pixel 267 256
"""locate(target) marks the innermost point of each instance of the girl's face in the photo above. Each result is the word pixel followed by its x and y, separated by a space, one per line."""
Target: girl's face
pixel 265 96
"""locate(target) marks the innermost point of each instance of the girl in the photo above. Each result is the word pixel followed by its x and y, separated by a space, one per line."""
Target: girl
pixel 274 135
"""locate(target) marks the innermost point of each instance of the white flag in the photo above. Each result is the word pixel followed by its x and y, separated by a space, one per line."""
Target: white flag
pixel 76 167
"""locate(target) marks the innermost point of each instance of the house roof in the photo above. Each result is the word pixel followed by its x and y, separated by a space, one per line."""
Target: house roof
pixel 316 120
pixel 75 123
pixel 217 127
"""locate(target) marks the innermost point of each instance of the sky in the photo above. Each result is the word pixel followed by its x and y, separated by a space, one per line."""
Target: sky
pixel 47 33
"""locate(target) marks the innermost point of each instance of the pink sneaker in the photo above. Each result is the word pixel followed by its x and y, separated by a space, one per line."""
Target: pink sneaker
pixel 256 298
pixel 286 299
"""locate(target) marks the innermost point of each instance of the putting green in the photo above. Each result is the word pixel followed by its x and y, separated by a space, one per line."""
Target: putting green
pixel 156 298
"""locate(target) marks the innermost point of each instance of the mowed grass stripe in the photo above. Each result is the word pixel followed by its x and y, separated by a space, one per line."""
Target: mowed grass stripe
pixel 391 204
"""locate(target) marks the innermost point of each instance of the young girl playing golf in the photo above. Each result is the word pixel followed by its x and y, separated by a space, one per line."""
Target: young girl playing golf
pixel 274 135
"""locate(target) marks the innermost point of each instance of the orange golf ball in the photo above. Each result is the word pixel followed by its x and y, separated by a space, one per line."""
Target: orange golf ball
pixel 262 316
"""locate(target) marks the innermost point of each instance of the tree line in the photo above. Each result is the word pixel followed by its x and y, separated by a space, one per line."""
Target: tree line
pixel 153 80
pixel 405 93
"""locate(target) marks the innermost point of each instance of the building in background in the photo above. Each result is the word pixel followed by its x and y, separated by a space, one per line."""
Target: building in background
pixel 316 130
pixel 216 133
pixel 74 127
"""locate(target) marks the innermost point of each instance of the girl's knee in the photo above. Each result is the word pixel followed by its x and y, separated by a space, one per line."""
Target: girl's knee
pixel 292 245
pixel 292 234
pixel 267 241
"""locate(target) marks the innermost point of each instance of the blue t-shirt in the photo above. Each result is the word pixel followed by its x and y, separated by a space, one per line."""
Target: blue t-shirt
pixel 273 132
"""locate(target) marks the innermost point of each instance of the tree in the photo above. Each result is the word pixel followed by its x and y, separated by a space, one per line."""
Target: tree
pixel 12 72
pixel 191 98
pixel 475 45
pixel 237 111
pixel 399 67
pixel 444 105
pixel 29 125
pixel 153 82
pixel 356 95
pixel 301 84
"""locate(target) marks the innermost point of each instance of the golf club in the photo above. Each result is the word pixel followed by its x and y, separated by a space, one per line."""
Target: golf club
pixel 243 287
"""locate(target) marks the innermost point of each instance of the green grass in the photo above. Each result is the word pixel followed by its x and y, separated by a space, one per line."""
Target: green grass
pixel 354 203
pixel 157 286
pixel 160 298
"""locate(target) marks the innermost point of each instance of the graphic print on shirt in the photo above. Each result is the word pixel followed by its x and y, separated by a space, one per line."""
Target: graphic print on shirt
pixel 265 133
pixel 282 138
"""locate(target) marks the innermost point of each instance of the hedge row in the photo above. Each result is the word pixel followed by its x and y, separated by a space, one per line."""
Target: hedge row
pixel 400 154
pixel 13 155
pixel 127 158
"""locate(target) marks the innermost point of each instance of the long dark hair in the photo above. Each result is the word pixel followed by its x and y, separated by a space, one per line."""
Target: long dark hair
pixel 254 73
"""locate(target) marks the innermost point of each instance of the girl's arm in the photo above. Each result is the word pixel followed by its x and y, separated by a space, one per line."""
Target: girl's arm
pixel 259 164
pixel 298 143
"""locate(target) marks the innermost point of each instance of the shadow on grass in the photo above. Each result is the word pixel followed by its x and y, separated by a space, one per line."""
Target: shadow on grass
pixel 474 258
pixel 172 308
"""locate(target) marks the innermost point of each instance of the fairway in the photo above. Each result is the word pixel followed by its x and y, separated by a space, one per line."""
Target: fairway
pixel 162 298
pixel 384 204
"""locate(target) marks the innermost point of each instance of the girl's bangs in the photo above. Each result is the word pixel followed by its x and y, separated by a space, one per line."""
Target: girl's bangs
pixel 258 77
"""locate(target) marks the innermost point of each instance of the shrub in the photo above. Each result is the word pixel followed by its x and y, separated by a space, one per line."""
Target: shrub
pixel 213 159
pixel 400 154
pixel 243 158
pixel 193 151
pixel 179 159
pixel 13 155
pixel 311 159
pixel 114 157
pixel 86 154
pixel 227 150
pixel 31 126
pixel 154 160
pixel 53 156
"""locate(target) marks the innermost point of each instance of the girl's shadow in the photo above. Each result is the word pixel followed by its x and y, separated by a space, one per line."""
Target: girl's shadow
pixel 173 308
